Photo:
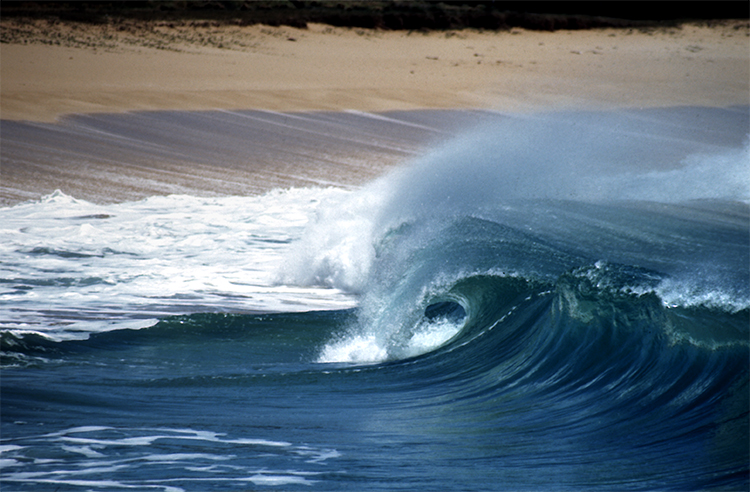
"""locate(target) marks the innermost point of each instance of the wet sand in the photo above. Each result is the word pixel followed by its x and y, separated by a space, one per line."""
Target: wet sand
pixel 114 157
pixel 444 80
pixel 111 157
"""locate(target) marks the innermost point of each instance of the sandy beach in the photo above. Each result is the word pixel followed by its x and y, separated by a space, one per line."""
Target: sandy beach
pixel 50 69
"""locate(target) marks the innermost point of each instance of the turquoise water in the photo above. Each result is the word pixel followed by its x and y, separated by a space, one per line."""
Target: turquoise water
pixel 479 320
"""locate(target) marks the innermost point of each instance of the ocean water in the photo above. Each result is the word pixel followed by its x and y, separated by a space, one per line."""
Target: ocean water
pixel 541 302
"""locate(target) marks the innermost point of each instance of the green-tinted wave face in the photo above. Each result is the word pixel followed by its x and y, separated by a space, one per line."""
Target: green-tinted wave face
pixel 583 360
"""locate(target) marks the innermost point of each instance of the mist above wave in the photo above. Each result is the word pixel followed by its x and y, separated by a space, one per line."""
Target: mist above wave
pixel 586 157
pixel 569 188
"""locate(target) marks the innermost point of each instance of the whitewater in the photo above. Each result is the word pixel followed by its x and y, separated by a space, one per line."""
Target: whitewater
pixel 542 301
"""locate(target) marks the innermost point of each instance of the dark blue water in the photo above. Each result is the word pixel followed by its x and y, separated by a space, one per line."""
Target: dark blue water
pixel 589 332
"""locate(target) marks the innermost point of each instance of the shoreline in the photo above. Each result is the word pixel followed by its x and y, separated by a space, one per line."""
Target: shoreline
pixel 78 101
pixel 125 157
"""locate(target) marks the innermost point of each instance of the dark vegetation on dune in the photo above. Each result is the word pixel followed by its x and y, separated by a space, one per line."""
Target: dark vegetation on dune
pixel 412 15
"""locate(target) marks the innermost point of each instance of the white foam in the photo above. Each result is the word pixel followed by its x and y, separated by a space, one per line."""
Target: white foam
pixel 275 480
pixel 684 293
pixel 84 450
pixel 431 335
pixel 77 267
pixel 358 349
pixel 337 247
pixel 4 448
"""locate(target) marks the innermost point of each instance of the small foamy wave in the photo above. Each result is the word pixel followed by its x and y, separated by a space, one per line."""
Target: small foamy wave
pixel 75 267
pixel 93 457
